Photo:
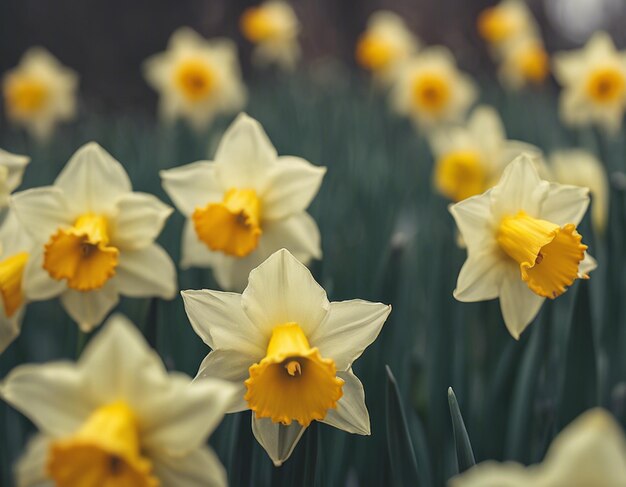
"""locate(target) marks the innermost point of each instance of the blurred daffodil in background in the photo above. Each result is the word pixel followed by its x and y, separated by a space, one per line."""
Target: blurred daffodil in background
pixel 522 243
pixel 591 451
pixel 385 45
pixel 95 239
pixel 431 91
pixel 197 79
pixel 594 84
pixel 288 350
pixel 524 62
pixel 245 205
pixel 273 27
pixel 117 418
pixel 470 158
pixel 39 93
pixel 503 23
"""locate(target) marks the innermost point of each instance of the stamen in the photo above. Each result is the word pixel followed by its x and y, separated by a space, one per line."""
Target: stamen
pixel 293 367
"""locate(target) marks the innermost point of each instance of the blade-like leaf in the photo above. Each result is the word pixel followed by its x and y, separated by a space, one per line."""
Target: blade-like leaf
pixel 464 453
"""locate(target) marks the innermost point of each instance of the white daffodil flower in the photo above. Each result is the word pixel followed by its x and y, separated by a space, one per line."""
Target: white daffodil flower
pixel 386 43
pixel 273 27
pixel 95 239
pixel 470 158
pixel 505 22
pixel 11 172
pixel 288 350
pixel 589 452
pixel 524 61
pixel 594 84
pixel 431 90
pixel 15 249
pixel 39 92
pixel 522 243
pixel 196 79
pixel 245 205
pixel 117 418
pixel 581 168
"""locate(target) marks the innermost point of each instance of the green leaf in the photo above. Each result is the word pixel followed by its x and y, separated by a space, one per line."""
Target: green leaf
pixel 464 453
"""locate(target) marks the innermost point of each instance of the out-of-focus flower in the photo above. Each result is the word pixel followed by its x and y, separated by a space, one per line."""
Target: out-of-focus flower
pixel 431 90
pixel 95 239
pixel 245 205
pixel 522 243
pixel 470 159
pixel 591 451
pixel 39 92
pixel 385 45
pixel 505 22
pixel 582 168
pixel 11 171
pixel 118 418
pixel 288 350
pixel 196 79
pixel 594 84
pixel 273 27
pixel 524 62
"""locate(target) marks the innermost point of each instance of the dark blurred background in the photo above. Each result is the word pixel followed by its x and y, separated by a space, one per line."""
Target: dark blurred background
pixel 106 40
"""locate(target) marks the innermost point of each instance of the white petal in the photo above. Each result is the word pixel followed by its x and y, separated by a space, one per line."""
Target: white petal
pixel 88 309
pixel 15 165
pixel 565 204
pixel 140 219
pixel 232 366
pixel 195 253
pixel 93 180
pixel 30 469
pixel 218 318
pixel 245 155
pixel 277 439
pixel 518 303
pixel 493 474
pixel 282 290
pixel 292 186
pixel 474 218
pixel 9 328
pixel 192 186
pixel 42 211
pixel 51 395
pixel 351 414
pixel 36 282
pixel 299 234
pixel 481 276
pixel 199 468
pixel 349 328
pixel 146 272
pixel 586 265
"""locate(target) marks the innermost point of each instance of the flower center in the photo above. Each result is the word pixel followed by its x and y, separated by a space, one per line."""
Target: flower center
pixel 82 254
pixel 105 451
pixel 460 174
pixel 25 95
pixel 534 63
pixel 431 92
pixel 495 26
pixel 232 226
pixel 606 85
pixel 11 272
pixel 257 25
pixel 195 79
pixel 373 52
pixel 293 382
pixel 548 255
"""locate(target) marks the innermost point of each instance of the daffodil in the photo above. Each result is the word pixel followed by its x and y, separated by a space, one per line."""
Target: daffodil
pixel 196 79
pixel 505 22
pixel 582 168
pixel 273 27
pixel 594 84
pixel 591 451
pixel 117 418
pixel 470 158
pixel 245 205
pixel 524 62
pixel 431 90
pixel 11 172
pixel 522 243
pixel 385 45
pixel 95 239
pixel 39 92
pixel 288 350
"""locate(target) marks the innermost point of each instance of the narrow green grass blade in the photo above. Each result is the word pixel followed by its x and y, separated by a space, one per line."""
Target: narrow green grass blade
pixel 464 454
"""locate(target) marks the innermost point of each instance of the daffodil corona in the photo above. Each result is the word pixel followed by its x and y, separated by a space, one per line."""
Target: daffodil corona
pixel 117 418
pixel 288 350
pixel 522 243
pixel 245 205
